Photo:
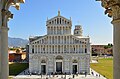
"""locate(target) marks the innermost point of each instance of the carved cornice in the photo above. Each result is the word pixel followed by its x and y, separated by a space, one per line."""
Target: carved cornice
pixel 6 14
pixel 112 8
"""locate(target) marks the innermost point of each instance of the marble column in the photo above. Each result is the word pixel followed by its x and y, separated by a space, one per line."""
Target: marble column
pixel 63 48
pixel 4 53
pixel 39 64
pixel 79 65
pixel 4 66
pixel 37 48
pixel 40 49
pixel 5 15
pixel 112 9
pixel 51 40
pixel 53 30
pixel 116 49
pixel 30 48
pixel 69 48
pixel 51 49
pixel 0 39
pixel 47 65
pixel 69 39
pixel 62 29
pixel 54 65
pixel 50 30
pixel 56 30
pixel 63 66
pixel 70 62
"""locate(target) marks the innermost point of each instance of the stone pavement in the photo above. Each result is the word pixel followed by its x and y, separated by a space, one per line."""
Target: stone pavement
pixel 93 75
pixel 93 61
pixel 57 77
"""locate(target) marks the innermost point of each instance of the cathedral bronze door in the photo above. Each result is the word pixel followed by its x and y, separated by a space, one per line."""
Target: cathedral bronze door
pixel 74 69
pixel 59 67
pixel 43 69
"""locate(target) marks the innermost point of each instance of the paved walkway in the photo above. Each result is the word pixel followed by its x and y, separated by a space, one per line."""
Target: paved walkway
pixel 93 75
pixel 93 61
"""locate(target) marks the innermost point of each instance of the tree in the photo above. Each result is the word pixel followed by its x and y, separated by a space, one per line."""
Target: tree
pixel 17 51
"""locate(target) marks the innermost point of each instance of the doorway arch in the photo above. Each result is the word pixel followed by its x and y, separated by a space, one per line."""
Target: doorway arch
pixel 43 67
pixel 59 64
pixel 74 66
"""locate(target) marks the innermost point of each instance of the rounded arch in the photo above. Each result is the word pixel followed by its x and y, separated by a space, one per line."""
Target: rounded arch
pixel 59 57
pixel 75 61
pixel 35 57
pixel 43 61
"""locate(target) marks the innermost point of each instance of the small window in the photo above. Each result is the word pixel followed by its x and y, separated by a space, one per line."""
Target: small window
pixel 68 22
pixel 49 22
pixel 77 32
pixel 74 48
pixel 57 20
pixel 52 22
pixel 53 48
pixel 32 50
pixel 85 50
pixel 65 22
pixel 60 20
pixel 37 42
pixel 43 49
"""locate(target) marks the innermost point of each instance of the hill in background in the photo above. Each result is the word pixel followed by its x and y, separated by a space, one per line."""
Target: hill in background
pixel 17 42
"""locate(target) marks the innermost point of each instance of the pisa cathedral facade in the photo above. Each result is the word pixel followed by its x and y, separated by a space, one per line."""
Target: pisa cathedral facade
pixel 59 51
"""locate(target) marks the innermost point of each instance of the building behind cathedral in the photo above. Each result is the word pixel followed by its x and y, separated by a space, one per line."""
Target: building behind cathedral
pixel 59 51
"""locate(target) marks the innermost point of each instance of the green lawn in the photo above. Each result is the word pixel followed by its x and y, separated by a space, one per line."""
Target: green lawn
pixel 16 68
pixel 104 67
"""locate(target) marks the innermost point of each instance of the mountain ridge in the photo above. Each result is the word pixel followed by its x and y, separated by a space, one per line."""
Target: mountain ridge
pixel 17 42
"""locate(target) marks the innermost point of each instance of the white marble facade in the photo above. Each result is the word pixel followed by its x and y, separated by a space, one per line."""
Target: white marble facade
pixel 59 51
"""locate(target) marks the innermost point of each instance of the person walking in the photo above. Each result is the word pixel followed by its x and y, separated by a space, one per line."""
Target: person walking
pixel 92 73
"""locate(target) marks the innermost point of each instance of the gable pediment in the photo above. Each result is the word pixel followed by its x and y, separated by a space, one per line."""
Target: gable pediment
pixel 58 17
pixel 38 39
pixel 59 20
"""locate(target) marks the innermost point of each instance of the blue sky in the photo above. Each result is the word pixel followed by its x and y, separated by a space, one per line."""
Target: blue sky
pixel 30 20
